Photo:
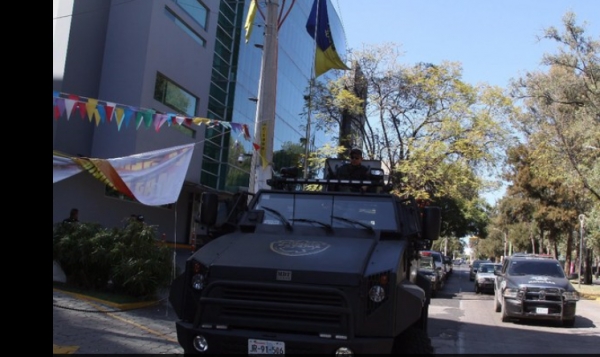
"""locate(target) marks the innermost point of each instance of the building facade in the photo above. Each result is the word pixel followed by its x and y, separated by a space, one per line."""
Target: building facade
pixel 186 57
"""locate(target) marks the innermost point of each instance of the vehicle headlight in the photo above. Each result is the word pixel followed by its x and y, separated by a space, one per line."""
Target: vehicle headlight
pixel 481 280
pixel 571 295
pixel 377 293
pixel 198 280
pixel 433 277
pixel 512 293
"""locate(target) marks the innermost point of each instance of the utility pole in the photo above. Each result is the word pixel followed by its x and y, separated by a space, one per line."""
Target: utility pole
pixel 264 122
pixel 579 275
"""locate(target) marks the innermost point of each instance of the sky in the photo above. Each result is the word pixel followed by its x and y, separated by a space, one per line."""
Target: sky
pixel 494 40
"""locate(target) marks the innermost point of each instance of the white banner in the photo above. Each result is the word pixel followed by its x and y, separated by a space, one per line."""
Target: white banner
pixel 155 178
pixel 63 167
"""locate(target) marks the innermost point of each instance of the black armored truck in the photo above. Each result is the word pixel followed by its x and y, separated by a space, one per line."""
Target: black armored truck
pixel 309 267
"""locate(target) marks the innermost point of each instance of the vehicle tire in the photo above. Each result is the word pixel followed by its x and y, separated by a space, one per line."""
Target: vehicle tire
pixel 496 303
pixel 568 323
pixel 412 341
pixel 504 317
pixel 477 291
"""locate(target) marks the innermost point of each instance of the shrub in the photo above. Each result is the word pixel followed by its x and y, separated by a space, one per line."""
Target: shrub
pixel 92 256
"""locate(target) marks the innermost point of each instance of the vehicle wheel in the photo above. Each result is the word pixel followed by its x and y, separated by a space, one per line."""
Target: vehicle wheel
pixel 505 317
pixel 496 303
pixel 412 341
pixel 568 323
pixel 477 291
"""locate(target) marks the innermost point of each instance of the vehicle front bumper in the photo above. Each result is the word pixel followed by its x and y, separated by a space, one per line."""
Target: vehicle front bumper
pixel 528 309
pixel 235 341
pixel 486 285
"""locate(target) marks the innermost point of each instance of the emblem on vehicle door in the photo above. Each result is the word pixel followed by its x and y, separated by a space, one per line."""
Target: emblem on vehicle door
pixel 296 248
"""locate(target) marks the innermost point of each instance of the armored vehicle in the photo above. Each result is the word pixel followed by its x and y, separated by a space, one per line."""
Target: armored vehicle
pixel 299 271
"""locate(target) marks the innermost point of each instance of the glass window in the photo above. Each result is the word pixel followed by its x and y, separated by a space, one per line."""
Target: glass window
pixel 171 15
pixel 173 96
pixel 197 10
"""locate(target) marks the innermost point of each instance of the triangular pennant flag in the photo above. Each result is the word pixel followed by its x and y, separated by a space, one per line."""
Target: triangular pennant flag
pixel 91 108
pixel 225 124
pixel 179 119
pixel 59 107
pixel 119 113
pixel 101 113
pixel 159 120
pixel 69 103
pixel 256 146
pixel 109 108
pixel 139 116
pixel 128 114
pixel 82 110
pixel 246 132
pixel 148 115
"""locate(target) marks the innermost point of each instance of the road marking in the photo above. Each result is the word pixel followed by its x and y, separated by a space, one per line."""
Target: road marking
pixel 64 350
pixel 149 330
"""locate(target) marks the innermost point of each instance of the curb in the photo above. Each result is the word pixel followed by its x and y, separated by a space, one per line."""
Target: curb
pixel 127 306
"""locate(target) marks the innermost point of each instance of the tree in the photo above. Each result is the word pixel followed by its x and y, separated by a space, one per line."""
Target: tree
pixel 561 117
pixel 436 135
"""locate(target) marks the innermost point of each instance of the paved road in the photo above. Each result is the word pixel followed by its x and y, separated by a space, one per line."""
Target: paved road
pixel 82 327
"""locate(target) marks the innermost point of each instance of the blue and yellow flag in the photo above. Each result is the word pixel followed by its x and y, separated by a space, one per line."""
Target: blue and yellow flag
pixel 326 57
pixel 250 19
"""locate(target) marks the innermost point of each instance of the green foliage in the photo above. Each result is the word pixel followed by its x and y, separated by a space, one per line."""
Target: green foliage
pixel 92 256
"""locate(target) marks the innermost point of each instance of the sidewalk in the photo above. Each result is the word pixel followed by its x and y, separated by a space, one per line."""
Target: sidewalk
pixel 589 292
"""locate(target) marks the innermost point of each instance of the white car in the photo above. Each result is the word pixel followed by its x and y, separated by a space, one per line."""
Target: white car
pixel 485 277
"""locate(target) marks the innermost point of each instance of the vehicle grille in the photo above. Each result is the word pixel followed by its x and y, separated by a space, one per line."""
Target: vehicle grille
pixel 276 307
pixel 544 294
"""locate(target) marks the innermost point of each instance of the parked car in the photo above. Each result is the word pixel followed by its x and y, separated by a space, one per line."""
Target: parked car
pixel 438 259
pixel 474 266
pixel 534 287
pixel 484 279
pixel 427 268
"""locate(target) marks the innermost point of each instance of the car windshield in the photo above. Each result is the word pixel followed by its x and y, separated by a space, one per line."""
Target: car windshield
pixel 426 262
pixel 486 268
pixel 541 268
pixel 303 209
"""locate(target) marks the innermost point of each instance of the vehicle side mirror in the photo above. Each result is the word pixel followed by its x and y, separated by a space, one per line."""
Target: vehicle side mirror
pixel 432 223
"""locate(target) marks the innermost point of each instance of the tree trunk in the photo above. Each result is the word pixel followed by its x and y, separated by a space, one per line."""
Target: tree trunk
pixel 587 272
pixel 568 255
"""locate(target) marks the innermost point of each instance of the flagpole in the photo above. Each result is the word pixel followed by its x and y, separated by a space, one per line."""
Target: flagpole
pixel 311 80
pixel 264 129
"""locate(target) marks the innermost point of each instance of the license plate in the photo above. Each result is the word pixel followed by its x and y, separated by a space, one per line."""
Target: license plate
pixel 541 310
pixel 264 347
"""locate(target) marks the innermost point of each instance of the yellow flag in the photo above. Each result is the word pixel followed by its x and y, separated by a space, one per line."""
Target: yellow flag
pixel 250 19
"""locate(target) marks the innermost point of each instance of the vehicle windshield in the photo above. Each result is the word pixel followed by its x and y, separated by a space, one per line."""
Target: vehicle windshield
pixel 541 268
pixel 308 209
pixel 488 268
pixel 425 262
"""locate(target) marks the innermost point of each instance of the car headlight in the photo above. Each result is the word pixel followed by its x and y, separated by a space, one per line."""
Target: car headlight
pixel 481 280
pixel 571 295
pixel 512 293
